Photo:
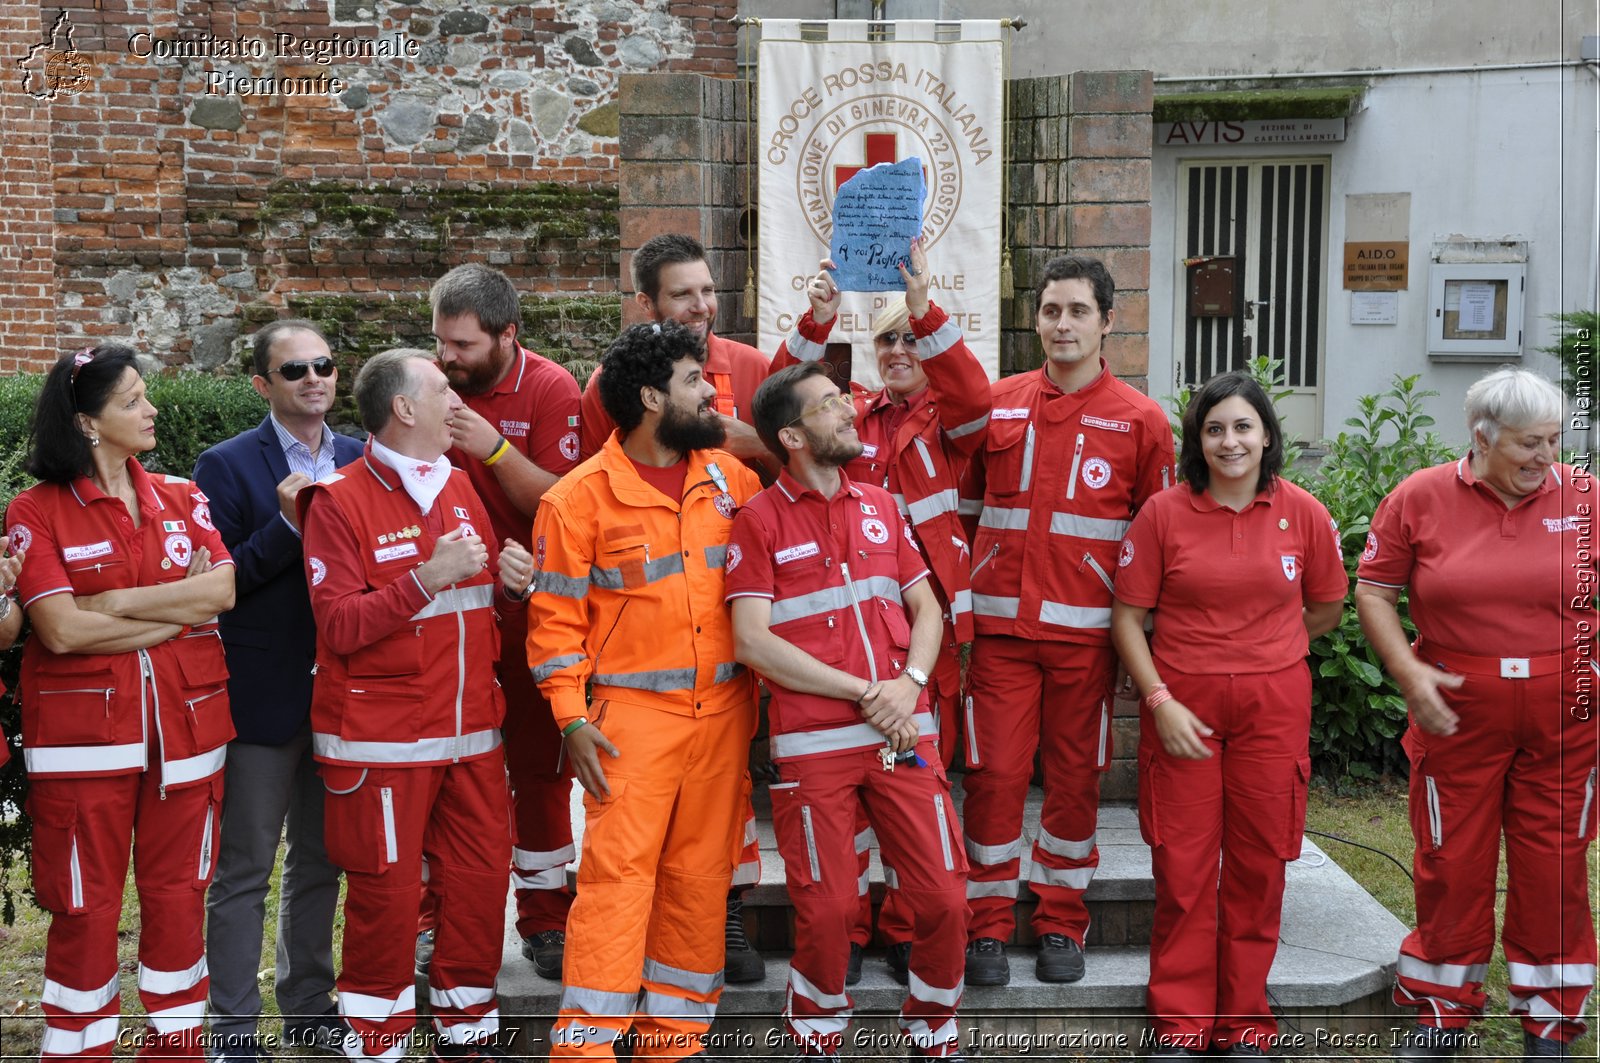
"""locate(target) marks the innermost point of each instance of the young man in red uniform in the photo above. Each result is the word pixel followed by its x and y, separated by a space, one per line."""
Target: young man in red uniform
pixel 515 435
pixel 672 282
pixel 917 435
pixel 406 712
pixel 822 576
pixel 1071 453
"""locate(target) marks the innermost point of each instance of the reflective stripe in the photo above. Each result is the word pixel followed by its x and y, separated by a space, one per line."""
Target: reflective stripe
pixel 551 878
pixel 561 586
pixel 377 1009
pixel 75 874
pixel 975 425
pixel 666 1006
pixel 529 860
pixel 716 556
pixel 750 835
pixel 1007 888
pixel 864 882
pixel 549 668
pixel 660 568
pixel 989 855
pixel 944 832
pixel 479 1028
pixel 193 769
pixel 165 983
pixel 811 843
pixel 1007 519
pixel 1072 878
pixel 52 760
pixel 972 735
pixel 995 605
pixel 1550 975
pixel 203 871
pixel 891 878
pixel 1435 820
pixel 597 1001
pixel 59 1042
pixel 423 749
pixel 659 680
pixel 577 1034
pixel 805 350
pixel 927 458
pixel 1027 461
pixel 177 1019
pixel 703 982
pixel 970 506
pixel 747 873
pixel 1103 750
pixel 925 1038
pixel 935 504
pixel 79 1001
pixel 464 996
pixel 836 739
pixel 865 839
pixel 938 341
pixel 961 603
pixel 1067 850
pixel 1102 528
pixel 1537 1007
pixel 900 504
pixel 391 844
pixel 831 598
pixel 1063 615
pixel 451 599
pixel 803 986
pixel 931 994
pixel 725 672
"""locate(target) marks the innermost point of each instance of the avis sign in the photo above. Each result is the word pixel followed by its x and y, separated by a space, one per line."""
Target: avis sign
pixel 1275 131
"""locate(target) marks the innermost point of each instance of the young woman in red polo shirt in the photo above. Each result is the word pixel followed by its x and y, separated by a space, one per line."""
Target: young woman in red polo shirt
pixel 1241 569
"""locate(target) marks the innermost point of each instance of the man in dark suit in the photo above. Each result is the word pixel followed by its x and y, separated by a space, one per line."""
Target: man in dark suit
pixel 251 481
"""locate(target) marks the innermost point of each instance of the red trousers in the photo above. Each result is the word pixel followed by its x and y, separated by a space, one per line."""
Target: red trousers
pixel 1049 697
pixel 1215 933
pixel 1521 765
pixel 381 823
pixel 814 815
pixel 82 831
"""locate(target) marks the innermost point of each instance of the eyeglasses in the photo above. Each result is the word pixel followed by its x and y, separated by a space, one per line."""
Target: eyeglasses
pixel 886 340
pixel 840 403
pixel 292 371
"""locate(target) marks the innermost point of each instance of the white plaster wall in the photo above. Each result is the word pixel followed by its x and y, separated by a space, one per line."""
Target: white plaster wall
pixel 1489 155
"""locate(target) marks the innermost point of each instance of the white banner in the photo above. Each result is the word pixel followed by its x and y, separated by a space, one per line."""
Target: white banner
pixel 830 108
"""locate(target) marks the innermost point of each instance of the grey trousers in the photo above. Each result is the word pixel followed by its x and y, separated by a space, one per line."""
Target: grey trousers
pixel 268 788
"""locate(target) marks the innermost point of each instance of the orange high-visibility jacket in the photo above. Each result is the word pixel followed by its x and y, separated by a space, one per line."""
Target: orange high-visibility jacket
pixel 628 588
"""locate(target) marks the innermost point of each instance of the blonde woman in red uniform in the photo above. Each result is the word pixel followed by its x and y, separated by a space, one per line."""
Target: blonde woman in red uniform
pixel 125 714
pixel 1241 569
pixel 1496 551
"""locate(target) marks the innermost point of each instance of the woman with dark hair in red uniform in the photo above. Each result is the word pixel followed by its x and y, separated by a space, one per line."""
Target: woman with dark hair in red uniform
pixel 1241 569
pixel 124 707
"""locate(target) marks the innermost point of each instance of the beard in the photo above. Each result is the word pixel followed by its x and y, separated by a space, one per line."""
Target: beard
pixel 684 432
pixel 478 380
pixel 831 451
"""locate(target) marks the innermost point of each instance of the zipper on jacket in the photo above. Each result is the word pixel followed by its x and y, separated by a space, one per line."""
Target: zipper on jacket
pixel 75 873
pixel 944 832
pixel 1588 801
pixel 927 459
pixel 391 848
pixel 861 621
pixel 990 556
pixel 205 842
pixel 192 702
pixel 461 676
pixel 1435 824
pixel 1027 461
pixel 811 843
pixel 1089 562
pixel 1072 477
pixel 155 696
pixel 104 692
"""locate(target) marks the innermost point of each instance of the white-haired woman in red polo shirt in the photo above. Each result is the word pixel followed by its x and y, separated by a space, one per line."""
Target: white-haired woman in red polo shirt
pixel 1496 550
pixel 1241 570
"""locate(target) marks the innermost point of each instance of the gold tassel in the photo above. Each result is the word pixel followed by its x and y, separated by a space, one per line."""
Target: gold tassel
pixel 1006 290
pixel 749 302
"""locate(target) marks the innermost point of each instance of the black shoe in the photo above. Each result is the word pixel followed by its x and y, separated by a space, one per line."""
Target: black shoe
pixel 1429 1042
pixel 424 951
pixel 986 962
pixel 852 968
pixel 323 1033
pixel 1245 1051
pixel 1166 1051
pixel 1060 959
pixel 742 963
pixel 1534 1046
pixel 546 949
pixel 238 1048
pixel 899 960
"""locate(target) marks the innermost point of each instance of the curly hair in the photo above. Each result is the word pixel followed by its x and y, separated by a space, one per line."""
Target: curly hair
pixel 643 356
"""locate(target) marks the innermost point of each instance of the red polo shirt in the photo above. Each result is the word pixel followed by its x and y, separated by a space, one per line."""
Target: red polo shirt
pixel 834 570
pixel 1227 588
pixel 1485 579
pixel 535 406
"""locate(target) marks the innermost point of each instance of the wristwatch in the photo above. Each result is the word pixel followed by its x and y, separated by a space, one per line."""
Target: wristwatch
pixel 916 675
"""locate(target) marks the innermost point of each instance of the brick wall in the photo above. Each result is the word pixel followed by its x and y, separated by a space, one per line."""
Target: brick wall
pixel 183 217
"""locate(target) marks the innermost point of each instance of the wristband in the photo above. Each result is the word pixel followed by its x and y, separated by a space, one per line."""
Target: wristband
pixel 574 725
pixel 1159 695
pixel 499 452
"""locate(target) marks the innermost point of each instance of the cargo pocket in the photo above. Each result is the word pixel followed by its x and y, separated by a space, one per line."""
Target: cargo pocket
pixel 57 867
pixel 204 667
pixel 1149 821
pixel 1294 827
pixel 380 714
pixel 76 711
pixel 603 861
pixel 353 830
pixel 797 837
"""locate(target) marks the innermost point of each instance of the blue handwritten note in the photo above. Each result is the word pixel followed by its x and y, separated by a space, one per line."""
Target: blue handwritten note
pixel 876 215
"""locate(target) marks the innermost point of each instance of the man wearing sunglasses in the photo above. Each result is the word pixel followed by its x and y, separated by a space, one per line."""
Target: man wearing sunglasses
pixel 271 784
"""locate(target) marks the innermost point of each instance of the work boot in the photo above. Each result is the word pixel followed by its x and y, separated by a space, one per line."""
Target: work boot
pixel 1060 959
pixel 1534 1046
pixel 1429 1042
pixel 742 962
pixel 852 967
pixel 986 962
pixel 424 958
pixel 546 949
pixel 899 960
pixel 323 1033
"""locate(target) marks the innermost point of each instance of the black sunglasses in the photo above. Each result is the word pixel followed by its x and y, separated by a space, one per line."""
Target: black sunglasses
pixel 292 371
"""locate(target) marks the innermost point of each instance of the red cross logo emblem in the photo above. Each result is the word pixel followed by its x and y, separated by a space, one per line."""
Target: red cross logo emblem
pixel 1516 668
pixel 877 148
pixel 179 549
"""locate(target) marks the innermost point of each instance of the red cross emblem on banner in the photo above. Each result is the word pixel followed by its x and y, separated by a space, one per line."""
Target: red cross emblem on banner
pixel 878 148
